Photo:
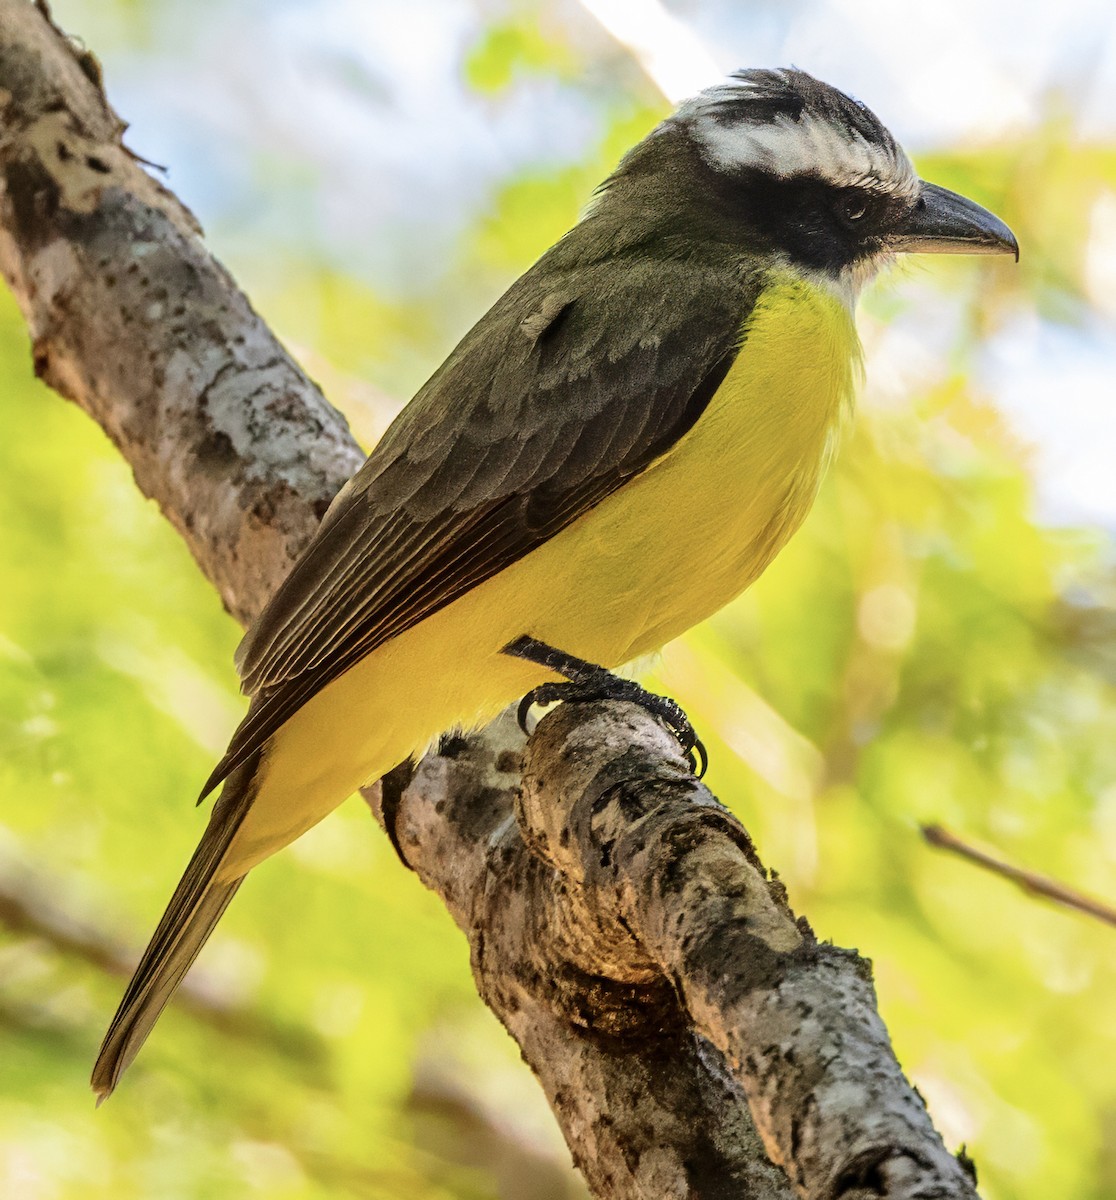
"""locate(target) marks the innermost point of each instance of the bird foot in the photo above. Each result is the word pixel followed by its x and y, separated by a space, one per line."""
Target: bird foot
pixel 586 682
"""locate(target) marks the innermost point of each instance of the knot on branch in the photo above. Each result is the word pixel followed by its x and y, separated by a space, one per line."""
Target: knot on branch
pixel 621 876
pixel 642 853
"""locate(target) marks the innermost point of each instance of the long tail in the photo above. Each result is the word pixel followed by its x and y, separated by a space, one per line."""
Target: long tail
pixel 193 911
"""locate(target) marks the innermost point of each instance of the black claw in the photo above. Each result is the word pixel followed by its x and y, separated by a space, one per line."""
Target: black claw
pixel 392 787
pixel 588 682
pixel 699 758
pixel 522 711
pixel 545 693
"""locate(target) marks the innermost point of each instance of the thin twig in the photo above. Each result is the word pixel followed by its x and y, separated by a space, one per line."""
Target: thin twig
pixel 1029 881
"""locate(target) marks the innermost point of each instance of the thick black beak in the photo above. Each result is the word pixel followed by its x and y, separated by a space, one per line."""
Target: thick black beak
pixel 942 222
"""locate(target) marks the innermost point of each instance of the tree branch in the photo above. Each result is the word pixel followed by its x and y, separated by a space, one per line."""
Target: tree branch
pixel 1031 882
pixel 679 1018
pixel 132 319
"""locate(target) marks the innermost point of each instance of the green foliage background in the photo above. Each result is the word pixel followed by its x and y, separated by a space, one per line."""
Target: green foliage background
pixel 926 650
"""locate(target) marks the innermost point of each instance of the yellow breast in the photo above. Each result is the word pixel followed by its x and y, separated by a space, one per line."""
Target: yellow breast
pixel 690 534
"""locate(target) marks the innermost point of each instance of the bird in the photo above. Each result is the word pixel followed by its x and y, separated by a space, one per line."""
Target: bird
pixel 618 448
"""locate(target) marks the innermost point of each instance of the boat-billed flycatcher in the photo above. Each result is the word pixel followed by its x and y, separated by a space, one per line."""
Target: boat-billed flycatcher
pixel 619 447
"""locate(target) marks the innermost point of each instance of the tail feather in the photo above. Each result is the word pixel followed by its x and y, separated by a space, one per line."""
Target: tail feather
pixel 193 911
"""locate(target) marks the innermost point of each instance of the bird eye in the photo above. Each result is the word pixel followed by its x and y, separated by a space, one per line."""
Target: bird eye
pixel 852 209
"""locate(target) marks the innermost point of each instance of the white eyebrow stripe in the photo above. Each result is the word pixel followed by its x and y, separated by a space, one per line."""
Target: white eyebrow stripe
pixel 809 146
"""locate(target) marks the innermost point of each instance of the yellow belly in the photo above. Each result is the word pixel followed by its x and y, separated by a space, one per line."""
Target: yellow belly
pixel 664 552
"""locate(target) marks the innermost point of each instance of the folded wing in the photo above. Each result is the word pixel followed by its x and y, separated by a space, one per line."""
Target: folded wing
pixel 556 398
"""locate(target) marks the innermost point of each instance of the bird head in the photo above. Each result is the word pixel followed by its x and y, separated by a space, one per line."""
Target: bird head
pixel 787 167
